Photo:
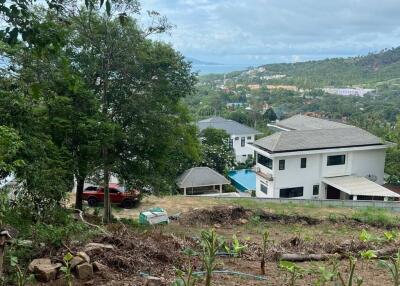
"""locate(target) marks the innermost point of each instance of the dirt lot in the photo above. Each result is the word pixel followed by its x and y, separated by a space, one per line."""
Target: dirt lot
pixel 157 250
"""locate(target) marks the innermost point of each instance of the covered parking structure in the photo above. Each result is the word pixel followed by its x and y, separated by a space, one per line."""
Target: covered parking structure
pixel 200 180
pixel 356 188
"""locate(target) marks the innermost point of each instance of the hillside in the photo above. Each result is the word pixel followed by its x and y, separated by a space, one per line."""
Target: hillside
pixel 337 72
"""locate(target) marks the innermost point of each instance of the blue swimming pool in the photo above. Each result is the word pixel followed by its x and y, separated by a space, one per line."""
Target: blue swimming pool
pixel 243 180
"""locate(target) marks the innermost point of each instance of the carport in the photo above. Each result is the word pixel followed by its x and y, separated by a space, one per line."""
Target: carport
pixel 201 180
pixel 356 188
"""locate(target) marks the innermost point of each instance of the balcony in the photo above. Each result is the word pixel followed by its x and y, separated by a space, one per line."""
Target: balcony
pixel 266 176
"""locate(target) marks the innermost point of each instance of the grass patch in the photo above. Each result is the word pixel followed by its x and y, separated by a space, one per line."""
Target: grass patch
pixel 376 216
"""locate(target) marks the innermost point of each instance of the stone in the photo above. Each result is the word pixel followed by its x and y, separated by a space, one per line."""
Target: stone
pixel 76 261
pixel 154 281
pixel 243 221
pixel 84 271
pixel 39 261
pixel 97 246
pixel 84 256
pixel 97 266
pixel 46 272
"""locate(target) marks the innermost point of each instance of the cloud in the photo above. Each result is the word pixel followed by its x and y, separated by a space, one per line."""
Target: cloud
pixel 258 31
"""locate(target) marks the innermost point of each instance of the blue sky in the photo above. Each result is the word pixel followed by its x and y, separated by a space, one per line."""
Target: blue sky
pixel 267 31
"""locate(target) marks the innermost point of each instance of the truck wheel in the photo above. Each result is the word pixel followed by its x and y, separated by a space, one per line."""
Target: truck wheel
pixel 92 202
pixel 127 204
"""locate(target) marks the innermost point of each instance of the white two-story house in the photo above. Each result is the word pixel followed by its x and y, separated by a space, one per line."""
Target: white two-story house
pixel 240 135
pixel 321 159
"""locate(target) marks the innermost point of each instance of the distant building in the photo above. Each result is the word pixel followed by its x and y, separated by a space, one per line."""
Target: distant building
pixel 240 135
pixel 253 86
pixel 348 91
pixel 316 158
pixel 234 105
pixel 275 76
pixel 285 87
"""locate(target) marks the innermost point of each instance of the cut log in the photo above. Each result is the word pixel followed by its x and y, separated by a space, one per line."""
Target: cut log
pixel 306 257
pixel 384 252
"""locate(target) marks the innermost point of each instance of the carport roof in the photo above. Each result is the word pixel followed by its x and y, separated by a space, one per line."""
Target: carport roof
pixel 201 177
pixel 359 186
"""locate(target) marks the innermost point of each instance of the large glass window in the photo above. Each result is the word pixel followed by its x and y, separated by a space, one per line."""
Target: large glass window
pixel 265 161
pixel 303 163
pixel 264 189
pixel 281 164
pixel 291 192
pixel 315 190
pixel 243 141
pixel 336 160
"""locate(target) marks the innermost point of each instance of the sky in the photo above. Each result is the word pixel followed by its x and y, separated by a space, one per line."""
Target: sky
pixel 269 31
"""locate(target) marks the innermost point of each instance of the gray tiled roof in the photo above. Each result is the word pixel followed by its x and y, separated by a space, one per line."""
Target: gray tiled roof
pixel 304 122
pixel 231 127
pixel 200 177
pixel 296 140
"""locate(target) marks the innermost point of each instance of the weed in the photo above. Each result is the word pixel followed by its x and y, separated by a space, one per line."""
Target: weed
pixel 350 279
pixel 375 216
pixel 295 271
pixel 367 255
pixel 21 277
pixel 327 275
pixel 365 236
pixel 186 278
pixel 393 266
pixel 390 235
pixel 67 268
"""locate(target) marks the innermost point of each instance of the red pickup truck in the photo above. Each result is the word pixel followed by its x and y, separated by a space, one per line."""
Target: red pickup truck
pixel 126 199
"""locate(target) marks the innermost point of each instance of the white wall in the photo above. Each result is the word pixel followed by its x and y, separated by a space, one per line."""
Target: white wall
pixel 242 152
pixel 358 163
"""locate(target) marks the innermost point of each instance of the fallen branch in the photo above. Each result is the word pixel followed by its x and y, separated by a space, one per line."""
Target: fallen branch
pixel 306 257
pixel 91 224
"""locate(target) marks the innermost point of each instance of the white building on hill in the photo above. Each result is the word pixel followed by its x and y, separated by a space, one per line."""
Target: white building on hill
pixel 240 135
pixel 316 158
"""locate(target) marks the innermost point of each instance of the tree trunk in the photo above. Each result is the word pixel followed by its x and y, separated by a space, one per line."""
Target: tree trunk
pixel 262 265
pixel 80 183
pixel 305 257
pixel 107 203
pixel 2 251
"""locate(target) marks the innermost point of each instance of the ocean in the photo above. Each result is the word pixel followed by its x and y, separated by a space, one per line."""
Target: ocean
pixel 203 69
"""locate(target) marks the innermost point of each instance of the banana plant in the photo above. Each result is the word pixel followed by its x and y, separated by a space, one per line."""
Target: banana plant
pixel 67 268
pixel 295 272
pixel 186 278
pixel 237 247
pixel 350 279
pixel 265 237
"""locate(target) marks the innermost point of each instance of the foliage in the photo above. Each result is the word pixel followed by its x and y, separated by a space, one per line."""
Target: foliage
pixel 375 216
pixel 294 271
pixel 327 275
pixel 186 277
pixel 22 277
pixel 213 136
pixel 351 276
pixel 390 235
pixel 393 155
pixel 393 266
pixel 365 236
pixel 211 243
pixel 66 269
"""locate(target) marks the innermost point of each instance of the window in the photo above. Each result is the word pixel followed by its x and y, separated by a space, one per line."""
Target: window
pixel 265 161
pixel 113 191
pixel 248 137
pixel 315 190
pixel 264 189
pixel 336 160
pixel 230 143
pixel 291 192
pixel 303 163
pixel 236 138
pixel 281 164
pixel 243 141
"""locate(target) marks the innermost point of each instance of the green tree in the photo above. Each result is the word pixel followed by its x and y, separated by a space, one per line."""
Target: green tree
pixel 393 155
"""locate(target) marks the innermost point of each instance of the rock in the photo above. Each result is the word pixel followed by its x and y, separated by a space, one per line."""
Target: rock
pixel 154 281
pixel 84 256
pixel 76 261
pixel 97 266
pixel 243 221
pixel 96 246
pixel 84 271
pixel 46 272
pixel 39 261
pixel 217 225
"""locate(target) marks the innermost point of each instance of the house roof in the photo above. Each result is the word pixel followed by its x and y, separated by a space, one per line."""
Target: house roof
pixel 315 139
pixel 200 177
pixel 304 122
pixel 230 126
pixel 359 186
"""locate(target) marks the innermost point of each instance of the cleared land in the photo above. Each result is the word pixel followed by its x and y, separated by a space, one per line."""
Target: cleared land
pixel 157 250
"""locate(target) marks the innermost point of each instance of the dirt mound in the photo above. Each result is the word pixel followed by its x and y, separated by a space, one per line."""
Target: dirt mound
pixel 226 215
pixel 151 252
pixel 268 216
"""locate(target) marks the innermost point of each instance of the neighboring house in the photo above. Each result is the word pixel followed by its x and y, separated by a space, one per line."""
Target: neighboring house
pixel 240 135
pixel 316 158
